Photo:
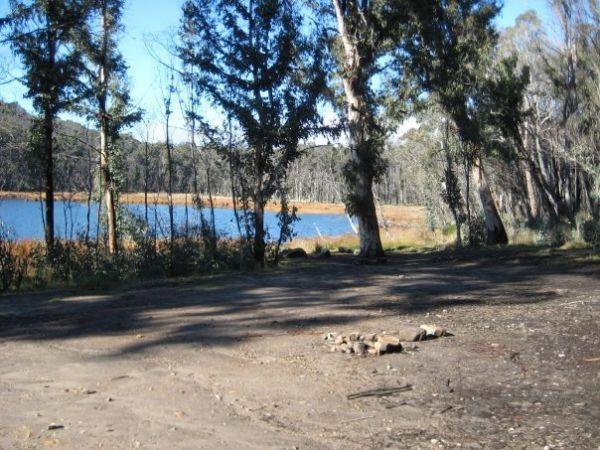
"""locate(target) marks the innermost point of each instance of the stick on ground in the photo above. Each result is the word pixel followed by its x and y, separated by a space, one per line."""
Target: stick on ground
pixel 381 392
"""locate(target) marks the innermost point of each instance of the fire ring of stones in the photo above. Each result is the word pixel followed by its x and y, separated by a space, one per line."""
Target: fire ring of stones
pixel 378 344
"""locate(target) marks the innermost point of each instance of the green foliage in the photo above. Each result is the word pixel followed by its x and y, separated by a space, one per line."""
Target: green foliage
pixel 12 264
pixel 476 232
pixel 591 232
pixel 261 65
pixel 41 33
pixel 553 235
pixel 90 265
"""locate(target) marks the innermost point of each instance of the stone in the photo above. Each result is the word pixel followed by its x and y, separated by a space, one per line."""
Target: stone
pixel 359 348
pixel 329 336
pixel 382 347
pixel 411 334
pixel 368 337
pixel 433 331
pixel 387 344
pixel 294 253
pixel 389 339
pixel 339 339
pixel 356 252
pixel 353 336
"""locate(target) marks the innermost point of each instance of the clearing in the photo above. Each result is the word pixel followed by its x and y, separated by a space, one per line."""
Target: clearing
pixel 237 360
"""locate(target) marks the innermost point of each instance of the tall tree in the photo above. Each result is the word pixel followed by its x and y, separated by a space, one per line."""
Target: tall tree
pixel 364 30
pixel 40 33
pixel 107 100
pixel 259 62
pixel 448 54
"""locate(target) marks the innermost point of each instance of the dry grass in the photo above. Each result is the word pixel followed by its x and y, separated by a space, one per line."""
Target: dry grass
pixel 403 228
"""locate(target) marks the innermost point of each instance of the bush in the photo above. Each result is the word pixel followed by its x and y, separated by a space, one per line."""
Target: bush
pixel 553 235
pixel 590 232
pixel 476 232
pixel 142 255
pixel 12 264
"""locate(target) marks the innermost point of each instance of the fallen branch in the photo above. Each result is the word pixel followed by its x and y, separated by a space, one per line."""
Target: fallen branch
pixel 357 419
pixel 381 392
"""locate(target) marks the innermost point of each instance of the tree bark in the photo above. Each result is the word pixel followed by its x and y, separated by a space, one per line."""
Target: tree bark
pixel 170 181
pixel 48 131
pixel 108 188
pixel 359 124
pixel 533 206
pixel 259 232
pixel 495 232
pixel 49 178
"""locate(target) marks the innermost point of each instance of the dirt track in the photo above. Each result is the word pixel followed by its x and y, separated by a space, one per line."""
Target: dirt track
pixel 237 361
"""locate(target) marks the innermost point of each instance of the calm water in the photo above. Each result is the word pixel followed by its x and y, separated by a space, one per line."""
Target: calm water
pixel 24 219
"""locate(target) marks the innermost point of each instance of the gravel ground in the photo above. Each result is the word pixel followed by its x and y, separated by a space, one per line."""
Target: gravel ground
pixel 238 360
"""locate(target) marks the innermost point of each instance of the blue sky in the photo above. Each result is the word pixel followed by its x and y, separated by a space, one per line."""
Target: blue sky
pixel 157 20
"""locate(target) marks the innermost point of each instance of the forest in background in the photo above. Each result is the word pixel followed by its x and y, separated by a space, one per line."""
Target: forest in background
pixel 507 121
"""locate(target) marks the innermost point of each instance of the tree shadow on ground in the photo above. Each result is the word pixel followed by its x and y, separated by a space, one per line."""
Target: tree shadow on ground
pixel 303 297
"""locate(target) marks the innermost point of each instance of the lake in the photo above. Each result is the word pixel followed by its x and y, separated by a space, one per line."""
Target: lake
pixel 24 220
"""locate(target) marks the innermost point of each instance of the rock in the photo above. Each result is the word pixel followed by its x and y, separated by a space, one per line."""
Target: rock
pixel 359 348
pixel 368 337
pixel 356 252
pixel 294 253
pixel 329 336
pixel 339 339
pixel 411 334
pixel 433 331
pixel 55 426
pixel 353 336
pixel 387 344
pixel 380 348
pixel 389 339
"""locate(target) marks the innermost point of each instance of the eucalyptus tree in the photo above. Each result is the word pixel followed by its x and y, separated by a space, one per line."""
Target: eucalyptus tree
pixel 574 71
pixel 41 34
pixel 106 98
pixel 448 54
pixel 260 63
pixel 366 33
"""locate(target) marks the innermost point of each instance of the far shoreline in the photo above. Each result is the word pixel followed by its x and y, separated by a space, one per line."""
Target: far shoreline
pixel 161 198
pixel 396 214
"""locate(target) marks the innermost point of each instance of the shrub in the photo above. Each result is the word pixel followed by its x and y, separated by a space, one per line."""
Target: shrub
pixel 476 231
pixel 590 232
pixel 12 264
pixel 553 235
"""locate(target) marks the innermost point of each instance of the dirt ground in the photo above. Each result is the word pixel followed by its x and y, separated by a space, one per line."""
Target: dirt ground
pixel 237 361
